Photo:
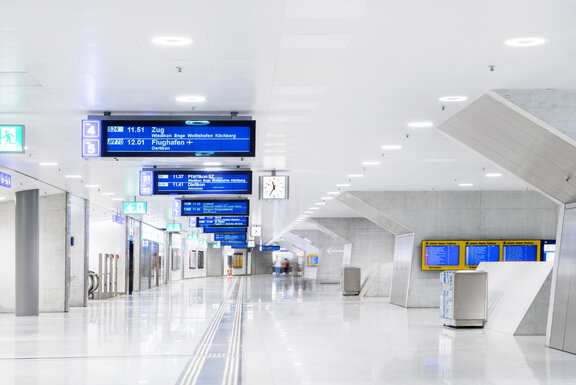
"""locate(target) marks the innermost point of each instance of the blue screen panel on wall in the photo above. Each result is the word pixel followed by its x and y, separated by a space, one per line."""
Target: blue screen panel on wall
pixel 224 230
pixel 221 221
pixel 521 251
pixel 191 182
pixel 230 237
pixel 481 251
pixel 233 243
pixel 212 208
pixel 175 138
pixel 441 255
pixel 269 248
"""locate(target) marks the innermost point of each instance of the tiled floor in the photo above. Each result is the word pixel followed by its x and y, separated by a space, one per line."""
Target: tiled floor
pixel 294 332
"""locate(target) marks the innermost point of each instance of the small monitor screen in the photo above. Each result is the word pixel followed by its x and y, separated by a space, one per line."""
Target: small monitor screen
pixel 442 255
pixel 482 253
pixel 520 253
pixel 548 250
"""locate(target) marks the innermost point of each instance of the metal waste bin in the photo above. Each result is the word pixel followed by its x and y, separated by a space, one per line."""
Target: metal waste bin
pixel 463 298
pixel 351 281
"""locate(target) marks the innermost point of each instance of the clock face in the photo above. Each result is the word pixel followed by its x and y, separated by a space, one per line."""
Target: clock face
pixel 274 187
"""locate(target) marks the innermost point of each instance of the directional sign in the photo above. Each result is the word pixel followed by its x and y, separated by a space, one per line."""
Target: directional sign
pixel 173 227
pixel 219 221
pixel 176 207
pixel 11 139
pixel 230 237
pixel 201 208
pixel 135 207
pixel 222 230
pixel 5 180
pixel 118 219
pixel 269 248
pixel 146 182
pixel 202 182
pixel 91 138
pixel 147 138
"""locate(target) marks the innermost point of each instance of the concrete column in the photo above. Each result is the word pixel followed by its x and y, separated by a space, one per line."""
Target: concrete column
pixel 27 253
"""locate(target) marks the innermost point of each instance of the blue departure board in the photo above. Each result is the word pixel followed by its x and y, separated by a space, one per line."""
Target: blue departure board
pixel 221 230
pixel 230 237
pixel 269 248
pixel 482 253
pixel 516 253
pixel 234 243
pixel 221 221
pixel 193 182
pixel 444 255
pixel 175 138
pixel 201 208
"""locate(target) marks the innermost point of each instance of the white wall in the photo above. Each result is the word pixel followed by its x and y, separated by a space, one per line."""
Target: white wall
pixel 194 245
pixel 53 253
pixel 108 237
pixel 7 256
pixel 77 227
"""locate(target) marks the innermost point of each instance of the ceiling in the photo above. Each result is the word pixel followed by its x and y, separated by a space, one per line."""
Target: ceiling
pixel 328 81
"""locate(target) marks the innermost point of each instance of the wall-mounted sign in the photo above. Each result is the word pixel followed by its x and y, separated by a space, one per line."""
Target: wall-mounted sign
pixel 135 208
pixel 192 237
pixel 146 182
pixel 91 138
pixel 230 237
pixel 118 219
pixel 251 243
pixel 201 208
pixel 216 245
pixel 176 207
pixel 194 182
pixel 233 243
pixel 220 221
pixel 256 231
pixel 173 227
pixel 222 230
pixel 11 139
pixel 177 138
pixel 269 248
pixel 313 260
pixel 5 180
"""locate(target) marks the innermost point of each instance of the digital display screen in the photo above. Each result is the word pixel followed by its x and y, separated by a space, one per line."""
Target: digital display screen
pixel 230 237
pixel 482 253
pixel 220 221
pixel 442 255
pixel 269 248
pixel 202 182
pixel 312 260
pixel 234 243
pixel 520 253
pixel 221 230
pixel 176 138
pixel 548 250
pixel 199 208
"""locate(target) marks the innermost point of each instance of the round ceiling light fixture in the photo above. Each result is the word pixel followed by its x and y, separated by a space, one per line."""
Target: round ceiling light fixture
pixel 420 124
pixel 190 99
pixel 525 42
pixel 172 40
pixel 453 99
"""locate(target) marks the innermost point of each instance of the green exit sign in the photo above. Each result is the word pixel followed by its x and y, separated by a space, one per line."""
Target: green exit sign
pixel 11 139
pixel 173 227
pixel 134 207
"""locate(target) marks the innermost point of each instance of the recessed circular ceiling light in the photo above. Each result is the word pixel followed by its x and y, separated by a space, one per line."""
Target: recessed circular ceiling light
pixel 172 40
pixel 525 41
pixel 452 99
pixel 420 124
pixel 190 99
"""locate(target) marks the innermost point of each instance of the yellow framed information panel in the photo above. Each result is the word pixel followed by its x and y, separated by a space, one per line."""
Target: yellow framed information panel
pixel 313 260
pixel 481 251
pixel 442 255
pixel 521 251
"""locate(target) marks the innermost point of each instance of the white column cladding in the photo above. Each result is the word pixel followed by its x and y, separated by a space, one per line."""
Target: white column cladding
pixel 7 256
pixel 77 251
pixel 27 253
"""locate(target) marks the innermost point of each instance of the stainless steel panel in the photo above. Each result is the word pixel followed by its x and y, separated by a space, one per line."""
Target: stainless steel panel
pixel 373 214
pixel 401 269
pixel 518 142
pixel 563 330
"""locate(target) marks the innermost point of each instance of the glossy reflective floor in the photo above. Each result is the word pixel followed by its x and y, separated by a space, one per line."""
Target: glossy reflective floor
pixel 282 331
